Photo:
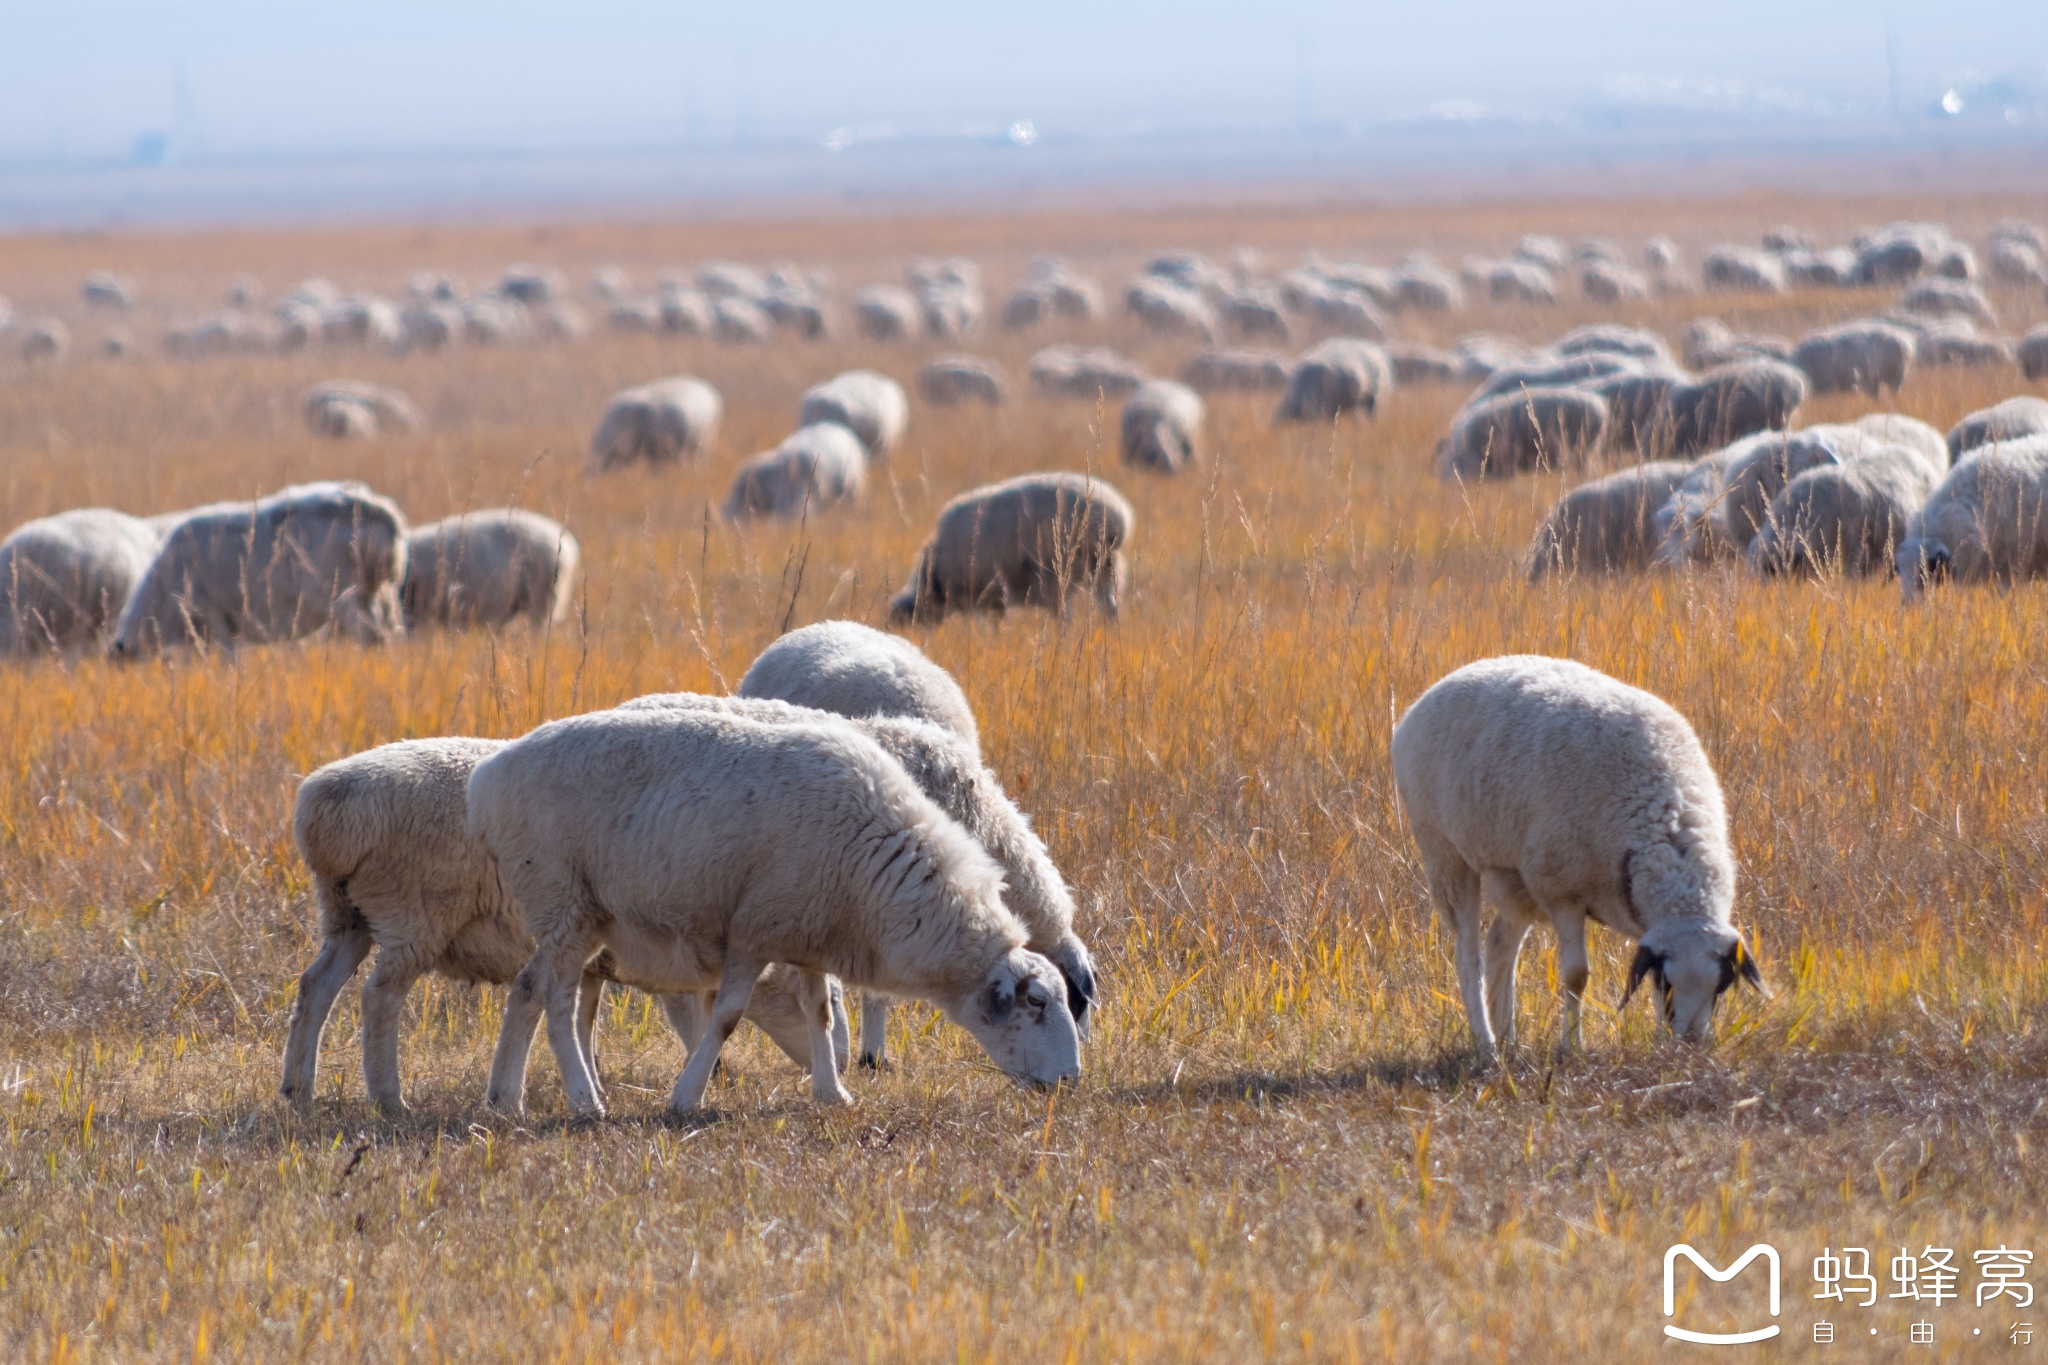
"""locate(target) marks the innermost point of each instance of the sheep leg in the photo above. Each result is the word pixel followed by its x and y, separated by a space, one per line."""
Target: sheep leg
pixel 318 987
pixel 1456 890
pixel 588 1000
pixel 383 1009
pixel 1503 954
pixel 874 1030
pixel 689 1014
pixel 735 988
pixel 814 995
pixel 1573 971
pixel 842 1039
pixel 524 1003
pixel 562 963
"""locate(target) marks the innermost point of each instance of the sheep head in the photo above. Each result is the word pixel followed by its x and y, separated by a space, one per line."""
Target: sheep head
pixel 1692 964
pixel 1019 1015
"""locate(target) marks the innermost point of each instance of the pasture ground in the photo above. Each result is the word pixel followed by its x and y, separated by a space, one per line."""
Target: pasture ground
pixel 1277 1151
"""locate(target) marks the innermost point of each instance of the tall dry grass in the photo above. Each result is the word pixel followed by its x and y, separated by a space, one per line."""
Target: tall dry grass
pixel 1277 1151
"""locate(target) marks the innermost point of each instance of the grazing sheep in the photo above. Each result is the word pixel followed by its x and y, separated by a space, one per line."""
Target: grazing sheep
pixel 700 848
pixel 817 467
pixel 1540 248
pixel 1608 525
pixel 351 407
pixel 1709 345
pixel 362 322
pixel 1665 263
pixel 105 289
pixel 1161 421
pixel 1415 363
pixel 2013 420
pixel 729 280
pixel 64 578
pixel 954 379
pixel 951 310
pixel 887 312
pixel 872 406
pixel 641 316
pixel 948 770
pixel 1725 404
pixel 1483 355
pixel 2018 263
pixel 1234 371
pixel 1897 429
pixel 685 312
pixel 1639 406
pixel 1785 239
pixel 1256 313
pixel 2032 353
pixel 1093 373
pixel 46 340
pixel 1716 511
pixel 1521 281
pixel 1552 373
pixel 532 285
pixel 319 556
pixel 1940 297
pixel 663 422
pixel 1348 312
pixel 1897 254
pixel 1523 433
pixel 1611 282
pixel 564 321
pixel 490 568
pixel 856 671
pixel 385 835
pixel 1866 356
pixel 1559 793
pixel 1340 376
pixel 216 334
pixel 430 326
pixel 1956 262
pixel 1612 338
pixel 118 342
pixel 1847 518
pixel 1956 343
pixel 799 311
pixel 1420 287
pixel 1742 270
pixel 1034 540
pixel 739 322
pixel 495 320
pixel 1832 269
pixel 1170 309
pixel 1988 521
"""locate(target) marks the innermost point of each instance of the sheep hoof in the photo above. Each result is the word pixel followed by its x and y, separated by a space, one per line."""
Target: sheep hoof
pixel 870 1061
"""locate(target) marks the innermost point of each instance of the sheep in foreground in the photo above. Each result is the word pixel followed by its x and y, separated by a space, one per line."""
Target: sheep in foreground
pixel 1559 793
pixel 1726 404
pixel 2014 419
pixel 64 578
pixel 1342 375
pixel 385 835
pixel 1866 356
pixel 948 769
pixel 1160 426
pixel 315 557
pixel 1523 433
pixel 855 670
pixel 872 406
pixel 490 568
pixel 1847 518
pixel 954 379
pixel 815 468
pixel 700 848
pixel 1987 522
pixel 668 420
pixel 353 407
pixel 1034 540
pixel 1608 525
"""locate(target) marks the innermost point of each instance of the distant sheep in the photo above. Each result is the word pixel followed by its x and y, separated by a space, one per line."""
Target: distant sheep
pixel 661 423
pixel 1092 373
pixel 1987 522
pixel 64 578
pixel 1742 270
pixel 872 406
pixel 321 556
pixel 1256 314
pixel 1608 525
pixel 1945 298
pixel 352 407
pixel 532 285
pixel 46 339
pixel 1957 344
pixel 887 312
pixel 1610 338
pixel 855 671
pixel 816 468
pixel 2014 419
pixel 1718 508
pixel 1561 794
pixel 2018 263
pixel 1639 406
pixel 1234 372
pixel 1161 426
pixel 1034 540
pixel 1609 282
pixel 1865 356
pixel 1520 282
pixel 1550 372
pixel 1343 375
pixel 1169 309
pixel 1847 518
pixel 1415 363
pixel 1424 288
pixel 1726 404
pixel 490 568
pixel 105 289
pixel 1709 345
pixel 2032 354
pixel 838 865
pixel 1523 433
pixel 954 379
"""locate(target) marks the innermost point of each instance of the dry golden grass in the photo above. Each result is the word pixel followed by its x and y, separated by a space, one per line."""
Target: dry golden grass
pixel 1277 1150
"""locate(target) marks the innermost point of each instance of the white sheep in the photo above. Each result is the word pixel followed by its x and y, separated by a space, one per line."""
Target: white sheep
pixel 2032 353
pixel 1342 375
pixel 1988 521
pixel 816 468
pixel 1867 355
pixel 1523 432
pixel 1607 525
pixel 872 406
pixel 1235 371
pixel 355 407
pixel 314 557
pixel 1093 373
pixel 887 312
pixel 1559 793
pixel 739 322
pixel 1725 404
pixel 1170 309
pixel 668 420
pixel 1847 518
pixel 48 339
pixel 64 578
pixel 1742 270
pixel 1897 429
pixel 1718 508
pixel 954 379
pixel 856 670
pixel 385 835
pixel 2013 420
pixel 1613 338
pixel 489 568
pixel 948 769
pixel 1161 426
pixel 700 848
pixel 1034 540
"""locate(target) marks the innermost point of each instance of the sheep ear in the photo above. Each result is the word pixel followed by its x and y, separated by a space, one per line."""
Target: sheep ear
pixel 1745 965
pixel 1646 962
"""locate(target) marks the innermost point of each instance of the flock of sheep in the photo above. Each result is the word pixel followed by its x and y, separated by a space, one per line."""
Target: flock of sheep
pixel 833 826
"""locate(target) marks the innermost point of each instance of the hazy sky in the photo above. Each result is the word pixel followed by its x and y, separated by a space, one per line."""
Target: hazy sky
pixel 85 78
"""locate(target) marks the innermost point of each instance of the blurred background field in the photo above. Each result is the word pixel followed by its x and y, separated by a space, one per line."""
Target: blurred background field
pixel 1277 1151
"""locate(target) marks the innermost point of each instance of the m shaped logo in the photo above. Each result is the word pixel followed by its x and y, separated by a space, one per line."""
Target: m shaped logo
pixel 1707 1268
